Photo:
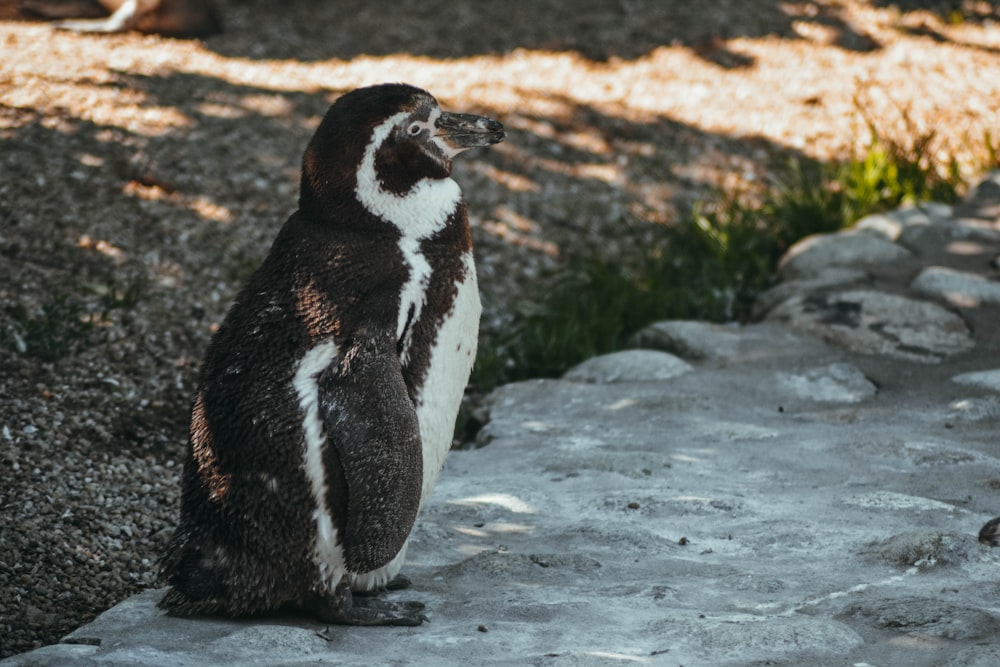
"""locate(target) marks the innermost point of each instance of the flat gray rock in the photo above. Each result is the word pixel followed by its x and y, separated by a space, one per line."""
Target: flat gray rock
pixel 690 339
pixel 873 322
pixel 890 225
pixel 823 280
pixel 724 343
pixel 628 366
pixel 835 383
pixel 844 250
pixel 959 288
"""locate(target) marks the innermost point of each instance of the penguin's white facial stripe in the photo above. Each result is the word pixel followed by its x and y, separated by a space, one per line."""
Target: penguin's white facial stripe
pixel 327 554
pixel 421 211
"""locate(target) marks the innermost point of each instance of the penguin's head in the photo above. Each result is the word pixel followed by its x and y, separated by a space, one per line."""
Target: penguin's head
pixel 393 134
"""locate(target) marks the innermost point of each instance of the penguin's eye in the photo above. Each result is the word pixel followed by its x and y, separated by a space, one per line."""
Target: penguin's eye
pixel 415 129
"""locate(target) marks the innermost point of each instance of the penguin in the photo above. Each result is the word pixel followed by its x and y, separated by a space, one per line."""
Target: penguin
pixel 327 399
pixel 173 18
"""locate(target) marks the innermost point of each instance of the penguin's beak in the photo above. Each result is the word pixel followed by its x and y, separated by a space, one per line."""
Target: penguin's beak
pixel 461 131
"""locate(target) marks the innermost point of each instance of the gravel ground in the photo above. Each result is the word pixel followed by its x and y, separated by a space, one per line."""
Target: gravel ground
pixel 142 179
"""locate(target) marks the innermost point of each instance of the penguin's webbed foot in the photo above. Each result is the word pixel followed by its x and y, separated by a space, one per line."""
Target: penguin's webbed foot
pixel 343 608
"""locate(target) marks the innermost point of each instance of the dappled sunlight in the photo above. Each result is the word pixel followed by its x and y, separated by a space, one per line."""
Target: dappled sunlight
pixel 518 230
pixel 510 180
pixel 150 190
pixel 486 530
pixel 621 657
pixel 103 247
pixel 966 248
pixel 596 138
pixel 802 107
pixel 488 534
pixel 205 140
pixel 693 499
pixel 104 105
pixel 504 500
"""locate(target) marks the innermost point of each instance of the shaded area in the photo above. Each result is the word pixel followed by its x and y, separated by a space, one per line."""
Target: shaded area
pixel 596 29
pixel 954 10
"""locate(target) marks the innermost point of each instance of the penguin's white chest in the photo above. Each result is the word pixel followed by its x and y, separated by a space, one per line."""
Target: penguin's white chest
pixel 450 363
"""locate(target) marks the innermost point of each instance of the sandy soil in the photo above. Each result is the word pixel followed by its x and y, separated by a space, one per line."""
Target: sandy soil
pixel 142 179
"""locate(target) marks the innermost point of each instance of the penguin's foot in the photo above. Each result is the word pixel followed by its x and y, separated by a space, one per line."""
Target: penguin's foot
pixel 343 608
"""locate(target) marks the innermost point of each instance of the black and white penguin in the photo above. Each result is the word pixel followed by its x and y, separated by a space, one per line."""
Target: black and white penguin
pixel 327 398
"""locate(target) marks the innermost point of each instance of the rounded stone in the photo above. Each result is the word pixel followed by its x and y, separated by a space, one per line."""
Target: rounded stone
pixel 689 339
pixel 835 383
pixel 845 249
pixel 628 366
pixel 966 290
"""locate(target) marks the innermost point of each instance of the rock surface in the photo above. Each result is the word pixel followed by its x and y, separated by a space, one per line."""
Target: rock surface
pixel 780 493
pixel 873 322
pixel 775 497
pixel 629 366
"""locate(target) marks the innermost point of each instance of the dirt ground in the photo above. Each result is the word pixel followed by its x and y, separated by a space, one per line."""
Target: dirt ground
pixel 143 178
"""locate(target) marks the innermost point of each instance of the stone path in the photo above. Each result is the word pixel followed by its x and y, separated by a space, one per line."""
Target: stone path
pixel 806 490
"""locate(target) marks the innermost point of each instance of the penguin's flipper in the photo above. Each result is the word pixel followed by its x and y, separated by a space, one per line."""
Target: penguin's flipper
pixel 374 442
